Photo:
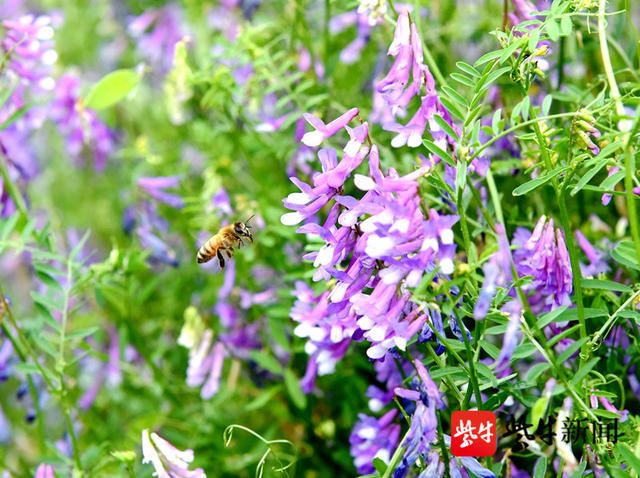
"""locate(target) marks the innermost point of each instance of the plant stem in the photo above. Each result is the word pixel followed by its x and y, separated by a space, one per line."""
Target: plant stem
pixel 630 168
pixel 577 273
pixel 13 190
pixel 606 59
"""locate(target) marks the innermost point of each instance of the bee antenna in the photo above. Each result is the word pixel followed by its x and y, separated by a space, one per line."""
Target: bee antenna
pixel 247 221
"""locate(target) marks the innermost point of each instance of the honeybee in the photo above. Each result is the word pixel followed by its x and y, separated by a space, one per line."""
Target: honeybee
pixel 221 246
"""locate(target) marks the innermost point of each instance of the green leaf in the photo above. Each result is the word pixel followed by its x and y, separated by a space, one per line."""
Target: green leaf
pixel 534 38
pixel 584 370
pixel 537 182
pixel 16 115
pixel 632 460
pixel 524 350
pixel 455 96
pixel 112 88
pixel 612 180
pixel 625 254
pixel 540 469
pixel 536 370
pixel 491 77
pixel 298 398
pixel 78 247
pixel 461 176
pixel 546 104
pixel 605 413
pixel 380 466
pixel 463 79
pixel 432 147
pixel 48 302
pixel 566 25
pixel 495 121
pixel 547 318
pixel 552 29
pixel 26 368
pixel 538 409
pixel 492 55
pixel 82 333
pixel 8 226
pixel 569 351
pixel 446 127
pixel 579 473
pixel 49 281
pixel 267 362
pixel 468 69
pixel 605 285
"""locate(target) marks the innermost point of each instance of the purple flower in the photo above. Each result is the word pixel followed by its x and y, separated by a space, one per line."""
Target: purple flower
pixel 404 81
pixel 155 186
pixel 422 430
pixel 157 31
pixel 44 471
pixel 373 438
pixel 351 53
pixel 28 45
pixel 325 131
pixel 543 255
pixel 80 126
pixel 606 198
pixel 511 336
pixel 597 263
pixel 497 273
pixel 167 460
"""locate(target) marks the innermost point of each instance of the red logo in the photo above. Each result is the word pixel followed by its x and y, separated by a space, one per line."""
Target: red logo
pixel 473 433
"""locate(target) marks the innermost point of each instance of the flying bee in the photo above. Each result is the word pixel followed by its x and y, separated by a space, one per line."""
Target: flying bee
pixel 221 246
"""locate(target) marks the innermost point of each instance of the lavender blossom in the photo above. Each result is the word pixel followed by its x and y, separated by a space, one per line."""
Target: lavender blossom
pixel 155 187
pixel 167 460
pixel 28 46
pixel 597 263
pixel 543 255
pixel 156 32
pixel 497 273
pixel 373 438
pixel 398 90
pixel 422 431
pixel 351 53
pixel 44 471
pixel 81 127
pixel 325 131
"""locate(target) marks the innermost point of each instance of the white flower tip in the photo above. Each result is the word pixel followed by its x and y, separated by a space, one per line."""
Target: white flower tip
pixel 446 236
pixel 364 183
pixel 291 218
pixel 312 139
pixel 446 266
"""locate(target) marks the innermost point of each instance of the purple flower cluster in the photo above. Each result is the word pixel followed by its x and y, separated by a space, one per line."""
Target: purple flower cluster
pixel 28 58
pixel 404 81
pixel 373 438
pixel 167 460
pixel 156 31
pixel 543 255
pixel 81 127
pixel 374 248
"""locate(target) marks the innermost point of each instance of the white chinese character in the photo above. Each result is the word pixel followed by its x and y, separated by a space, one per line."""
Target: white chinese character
pixel 467 432
pixel 485 431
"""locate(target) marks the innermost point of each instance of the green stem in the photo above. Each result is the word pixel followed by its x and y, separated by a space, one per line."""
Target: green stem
pixel 13 190
pixel 473 377
pixel 443 447
pixel 577 273
pixel 606 59
pixel 630 168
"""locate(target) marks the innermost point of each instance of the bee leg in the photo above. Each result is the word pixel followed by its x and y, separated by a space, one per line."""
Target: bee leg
pixel 220 259
pixel 247 235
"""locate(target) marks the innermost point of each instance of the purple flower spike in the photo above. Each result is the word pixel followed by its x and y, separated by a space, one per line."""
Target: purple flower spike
pixel 168 461
pixel 597 263
pixel 44 471
pixel 497 273
pixel 373 438
pixel 325 131
pixel 543 255
pixel 154 187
